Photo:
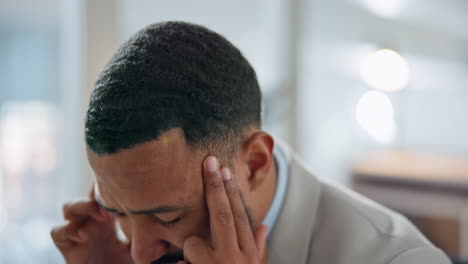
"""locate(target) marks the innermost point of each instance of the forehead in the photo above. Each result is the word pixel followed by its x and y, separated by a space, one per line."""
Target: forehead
pixel 162 171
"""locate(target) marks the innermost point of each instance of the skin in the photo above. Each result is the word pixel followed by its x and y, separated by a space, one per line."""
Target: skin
pixel 167 201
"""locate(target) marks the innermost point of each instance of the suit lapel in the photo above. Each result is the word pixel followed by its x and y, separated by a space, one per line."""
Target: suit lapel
pixel 289 241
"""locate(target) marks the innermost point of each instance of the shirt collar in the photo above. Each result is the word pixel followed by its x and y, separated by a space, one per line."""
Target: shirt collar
pixel 281 187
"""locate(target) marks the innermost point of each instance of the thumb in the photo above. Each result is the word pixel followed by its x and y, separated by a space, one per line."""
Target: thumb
pixel 260 236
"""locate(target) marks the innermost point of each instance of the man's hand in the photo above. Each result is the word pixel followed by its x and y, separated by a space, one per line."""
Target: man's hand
pixel 233 240
pixel 89 236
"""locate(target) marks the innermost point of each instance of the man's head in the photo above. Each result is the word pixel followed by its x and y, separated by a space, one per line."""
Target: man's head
pixel 174 75
pixel 171 95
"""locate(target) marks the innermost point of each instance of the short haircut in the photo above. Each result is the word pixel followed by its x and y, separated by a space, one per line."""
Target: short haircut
pixel 173 75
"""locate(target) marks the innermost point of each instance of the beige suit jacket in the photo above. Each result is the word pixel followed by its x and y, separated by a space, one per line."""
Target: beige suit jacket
pixel 322 223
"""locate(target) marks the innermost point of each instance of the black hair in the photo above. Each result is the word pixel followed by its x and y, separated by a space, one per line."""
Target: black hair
pixel 173 75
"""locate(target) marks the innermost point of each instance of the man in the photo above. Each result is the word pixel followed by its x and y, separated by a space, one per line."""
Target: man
pixel 181 163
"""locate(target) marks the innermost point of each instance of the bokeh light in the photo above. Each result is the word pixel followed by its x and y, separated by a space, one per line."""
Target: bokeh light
pixel 384 8
pixel 385 70
pixel 375 115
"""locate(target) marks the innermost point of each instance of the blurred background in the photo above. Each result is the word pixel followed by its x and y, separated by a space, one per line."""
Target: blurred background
pixel 371 93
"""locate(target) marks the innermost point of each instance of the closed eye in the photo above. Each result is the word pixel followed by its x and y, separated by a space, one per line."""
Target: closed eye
pixel 170 223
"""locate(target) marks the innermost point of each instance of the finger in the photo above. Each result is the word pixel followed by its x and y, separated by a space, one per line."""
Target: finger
pixel 223 231
pixel 82 210
pixel 244 231
pixel 78 211
pixel 196 250
pixel 181 262
pixel 62 244
pixel 68 235
pixel 261 235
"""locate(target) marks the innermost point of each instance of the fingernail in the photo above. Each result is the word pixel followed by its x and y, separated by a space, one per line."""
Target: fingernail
pixel 226 173
pixel 212 164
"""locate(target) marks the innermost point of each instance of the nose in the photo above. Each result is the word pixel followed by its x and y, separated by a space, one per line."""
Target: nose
pixel 145 247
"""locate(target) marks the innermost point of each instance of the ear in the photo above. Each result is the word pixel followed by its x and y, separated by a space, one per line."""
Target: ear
pixel 257 153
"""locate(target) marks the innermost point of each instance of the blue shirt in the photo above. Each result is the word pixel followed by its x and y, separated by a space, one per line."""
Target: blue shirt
pixel 281 187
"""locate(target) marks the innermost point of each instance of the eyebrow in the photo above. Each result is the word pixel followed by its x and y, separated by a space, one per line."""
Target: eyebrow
pixel 157 210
